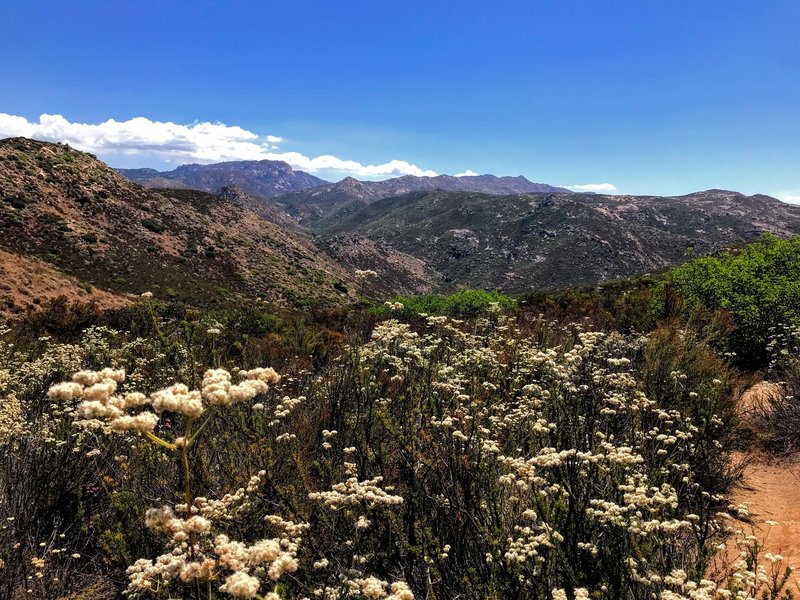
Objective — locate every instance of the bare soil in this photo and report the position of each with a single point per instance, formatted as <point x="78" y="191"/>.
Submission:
<point x="772" y="492"/>
<point x="771" y="487"/>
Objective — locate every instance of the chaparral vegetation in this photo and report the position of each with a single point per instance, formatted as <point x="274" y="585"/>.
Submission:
<point x="570" y="445"/>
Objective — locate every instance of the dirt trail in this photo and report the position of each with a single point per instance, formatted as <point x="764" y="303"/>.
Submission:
<point x="772" y="489"/>
<point x="773" y="494"/>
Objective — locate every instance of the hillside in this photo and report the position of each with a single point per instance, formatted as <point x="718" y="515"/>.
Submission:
<point x="262" y="178"/>
<point x="521" y="242"/>
<point x="262" y="207"/>
<point x="337" y="199"/>
<point x="26" y="283"/>
<point x="89" y="223"/>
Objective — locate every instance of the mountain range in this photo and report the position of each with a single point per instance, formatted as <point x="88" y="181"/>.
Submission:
<point x="270" y="178"/>
<point x="72" y="225"/>
<point x="520" y="242"/>
<point x="334" y="200"/>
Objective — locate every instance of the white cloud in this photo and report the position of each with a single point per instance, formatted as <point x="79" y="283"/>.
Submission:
<point x="790" y="196"/>
<point x="467" y="173"/>
<point x="599" y="188"/>
<point x="176" y="143"/>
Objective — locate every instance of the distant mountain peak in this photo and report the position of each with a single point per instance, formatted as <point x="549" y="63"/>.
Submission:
<point x="261" y="178"/>
<point x="271" y="178"/>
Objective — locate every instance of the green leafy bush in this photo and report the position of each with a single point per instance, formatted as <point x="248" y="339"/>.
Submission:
<point x="757" y="285"/>
<point x="153" y="225"/>
<point x="461" y="304"/>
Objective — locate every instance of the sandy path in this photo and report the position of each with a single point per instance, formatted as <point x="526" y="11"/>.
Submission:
<point x="771" y="489"/>
<point x="773" y="493"/>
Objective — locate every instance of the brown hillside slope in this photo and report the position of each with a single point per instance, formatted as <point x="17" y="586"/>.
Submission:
<point x="525" y="242"/>
<point x="74" y="212"/>
<point x="26" y="283"/>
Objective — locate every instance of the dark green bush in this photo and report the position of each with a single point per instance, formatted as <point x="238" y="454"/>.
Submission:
<point x="153" y="225"/>
<point x="17" y="202"/>
<point x="461" y="304"/>
<point x="757" y="285"/>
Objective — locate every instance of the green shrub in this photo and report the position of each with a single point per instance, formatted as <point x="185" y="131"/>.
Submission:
<point x="461" y="304"/>
<point x="757" y="285"/>
<point x="17" y="202"/>
<point x="624" y="305"/>
<point x="153" y="225"/>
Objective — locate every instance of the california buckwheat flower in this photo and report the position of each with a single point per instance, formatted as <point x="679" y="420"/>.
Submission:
<point x="506" y="455"/>
<point x="178" y="398"/>
<point x="372" y="587"/>
<point x="241" y="585"/>
<point x="267" y="375"/>
<point x="142" y="422"/>
<point x="400" y="591"/>
<point x="353" y="492"/>
<point x="65" y="391"/>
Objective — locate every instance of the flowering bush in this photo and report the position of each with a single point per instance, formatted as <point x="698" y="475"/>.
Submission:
<point x="485" y="459"/>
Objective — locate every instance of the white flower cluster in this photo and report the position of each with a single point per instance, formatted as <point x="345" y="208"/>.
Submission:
<point x="217" y="389"/>
<point x="97" y="391"/>
<point x="366" y="587"/>
<point x="197" y="553"/>
<point x="565" y="425"/>
<point x="354" y="492"/>
<point x="394" y="305"/>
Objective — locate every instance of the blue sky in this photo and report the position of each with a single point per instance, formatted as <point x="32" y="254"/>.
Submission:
<point x="661" y="97"/>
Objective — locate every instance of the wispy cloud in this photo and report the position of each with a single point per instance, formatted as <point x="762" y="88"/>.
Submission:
<point x="467" y="173"/>
<point x="599" y="188"/>
<point x="790" y="196"/>
<point x="198" y="142"/>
